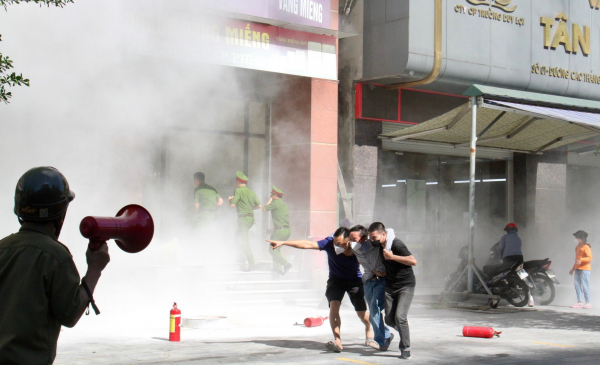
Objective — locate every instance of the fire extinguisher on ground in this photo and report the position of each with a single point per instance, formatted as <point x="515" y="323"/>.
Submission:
<point x="482" y="332"/>
<point x="175" y="327"/>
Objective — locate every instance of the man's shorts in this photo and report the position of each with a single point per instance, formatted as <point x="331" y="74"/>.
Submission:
<point x="355" y="289"/>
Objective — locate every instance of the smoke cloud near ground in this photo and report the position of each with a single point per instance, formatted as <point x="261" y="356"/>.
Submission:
<point x="121" y="114"/>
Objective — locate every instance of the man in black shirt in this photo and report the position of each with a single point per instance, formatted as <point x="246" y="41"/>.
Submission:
<point x="399" y="283"/>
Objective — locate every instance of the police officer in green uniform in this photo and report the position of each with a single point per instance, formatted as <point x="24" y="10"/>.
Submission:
<point x="40" y="289"/>
<point x="281" y="229"/>
<point x="245" y="201"/>
<point x="206" y="201"/>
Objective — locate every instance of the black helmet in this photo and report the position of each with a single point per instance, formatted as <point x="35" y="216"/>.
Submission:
<point x="42" y="194"/>
<point x="581" y="235"/>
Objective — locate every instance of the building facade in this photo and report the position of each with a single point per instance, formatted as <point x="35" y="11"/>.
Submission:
<point x="411" y="62"/>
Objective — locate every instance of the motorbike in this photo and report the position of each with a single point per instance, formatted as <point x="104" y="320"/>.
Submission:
<point x="542" y="276"/>
<point x="506" y="280"/>
<point x="543" y="279"/>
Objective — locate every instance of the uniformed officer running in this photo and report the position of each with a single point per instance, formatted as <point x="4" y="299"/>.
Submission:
<point x="281" y="229"/>
<point x="40" y="289"/>
<point x="206" y="201"/>
<point x="245" y="201"/>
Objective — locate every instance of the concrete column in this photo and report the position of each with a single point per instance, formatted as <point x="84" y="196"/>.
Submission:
<point x="304" y="153"/>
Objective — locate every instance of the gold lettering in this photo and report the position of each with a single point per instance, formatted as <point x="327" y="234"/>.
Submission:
<point x="256" y="39"/>
<point x="547" y="23"/>
<point x="581" y="40"/>
<point x="561" y="36"/>
<point x="247" y="38"/>
<point x="265" y="41"/>
<point x="231" y="36"/>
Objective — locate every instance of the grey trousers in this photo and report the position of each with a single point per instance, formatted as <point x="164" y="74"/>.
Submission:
<point x="397" y="304"/>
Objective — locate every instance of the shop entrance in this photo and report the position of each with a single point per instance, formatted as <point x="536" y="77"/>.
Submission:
<point x="226" y="136"/>
<point x="424" y="197"/>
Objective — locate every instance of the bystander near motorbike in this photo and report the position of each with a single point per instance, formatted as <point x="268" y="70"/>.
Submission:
<point x="507" y="280"/>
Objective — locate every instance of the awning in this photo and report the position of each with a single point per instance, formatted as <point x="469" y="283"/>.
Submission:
<point x="510" y="120"/>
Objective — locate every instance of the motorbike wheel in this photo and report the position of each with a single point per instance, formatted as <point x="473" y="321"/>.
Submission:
<point x="544" y="290"/>
<point x="523" y="297"/>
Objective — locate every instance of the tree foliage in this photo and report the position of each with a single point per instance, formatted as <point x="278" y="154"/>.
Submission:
<point x="12" y="79"/>
<point x="58" y="3"/>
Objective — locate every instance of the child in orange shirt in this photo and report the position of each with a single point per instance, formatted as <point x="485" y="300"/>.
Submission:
<point x="582" y="268"/>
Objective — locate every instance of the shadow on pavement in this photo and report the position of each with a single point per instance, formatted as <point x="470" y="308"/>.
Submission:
<point x="354" y="348"/>
<point x="543" y="319"/>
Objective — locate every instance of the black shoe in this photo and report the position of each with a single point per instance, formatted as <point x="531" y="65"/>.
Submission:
<point x="405" y="354"/>
<point x="387" y="343"/>
<point x="286" y="268"/>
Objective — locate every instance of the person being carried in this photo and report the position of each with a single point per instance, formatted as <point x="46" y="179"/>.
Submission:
<point x="280" y="214"/>
<point x="246" y="202"/>
<point x="399" y="283"/>
<point x="344" y="277"/>
<point x="40" y="290"/>
<point x="206" y="201"/>
<point x="371" y="259"/>
<point x="582" y="270"/>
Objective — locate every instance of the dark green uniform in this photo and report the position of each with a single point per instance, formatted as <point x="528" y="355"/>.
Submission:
<point x="280" y="214"/>
<point x="206" y="197"/>
<point x="39" y="292"/>
<point x="245" y="200"/>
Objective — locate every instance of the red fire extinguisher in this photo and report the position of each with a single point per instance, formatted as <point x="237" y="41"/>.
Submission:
<point x="483" y="332"/>
<point x="175" y="327"/>
<point x="314" y="321"/>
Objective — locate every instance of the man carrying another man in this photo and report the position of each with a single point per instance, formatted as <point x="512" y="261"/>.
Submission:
<point x="344" y="277"/>
<point x="399" y="283"/>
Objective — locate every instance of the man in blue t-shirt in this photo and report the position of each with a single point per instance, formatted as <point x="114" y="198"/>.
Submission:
<point x="344" y="277"/>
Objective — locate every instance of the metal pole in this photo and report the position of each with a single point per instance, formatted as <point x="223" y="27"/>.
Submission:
<point x="472" y="191"/>
<point x="510" y="190"/>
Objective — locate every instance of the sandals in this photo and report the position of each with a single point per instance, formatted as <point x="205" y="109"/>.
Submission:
<point x="332" y="346"/>
<point x="371" y="343"/>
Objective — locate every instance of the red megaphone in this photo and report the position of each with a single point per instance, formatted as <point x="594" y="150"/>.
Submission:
<point x="132" y="229"/>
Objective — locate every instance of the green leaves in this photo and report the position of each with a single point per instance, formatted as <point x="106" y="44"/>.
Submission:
<point x="6" y="64"/>
<point x="9" y="80"/>
<point x="57" y="3"/>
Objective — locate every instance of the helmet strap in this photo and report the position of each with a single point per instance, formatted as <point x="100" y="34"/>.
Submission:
<point x="58" y="223"/>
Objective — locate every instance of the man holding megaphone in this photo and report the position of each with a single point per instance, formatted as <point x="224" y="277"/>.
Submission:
<point x="40" y="290"/>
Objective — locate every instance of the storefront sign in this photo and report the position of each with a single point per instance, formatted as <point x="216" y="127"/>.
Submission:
<point x="547" y="46"/>
<point x="269" y="48"/>
<point x="314" y="13"/>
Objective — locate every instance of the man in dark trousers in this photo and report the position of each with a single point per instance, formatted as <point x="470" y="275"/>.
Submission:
<point x="344" y="277"/>
<point x="40" y="290"/>
<point x="399" y="283"/>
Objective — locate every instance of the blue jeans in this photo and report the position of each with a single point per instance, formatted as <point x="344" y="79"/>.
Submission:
<point x="582" y="285"/>
<point x="375" y="295"/>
